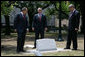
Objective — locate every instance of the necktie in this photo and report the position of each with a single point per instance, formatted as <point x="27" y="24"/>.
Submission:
<point x="40" y="18"/>
<point x="24" y="17"/>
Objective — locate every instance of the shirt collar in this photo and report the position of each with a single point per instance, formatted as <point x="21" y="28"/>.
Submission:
<point x="39" y="14"/>
<point x="22" y="13"/>
<point x="74" y="10"/>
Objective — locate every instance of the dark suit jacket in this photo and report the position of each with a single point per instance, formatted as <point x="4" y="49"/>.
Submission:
<point x="39" y="25"/>
<point x="74" y="20"/>
<point x="20" y="23"/>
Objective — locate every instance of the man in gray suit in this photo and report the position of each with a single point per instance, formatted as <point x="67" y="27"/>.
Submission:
<point x="73" y="27"/>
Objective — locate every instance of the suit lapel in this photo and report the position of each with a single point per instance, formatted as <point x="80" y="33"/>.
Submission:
<point x="21" y="16"/>
<point x="41" y="17"/>
<point x="37" y="17"/>
<point x="73" y="13"/>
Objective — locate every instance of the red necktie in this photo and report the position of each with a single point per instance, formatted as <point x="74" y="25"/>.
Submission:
<point x="24" y="17"/>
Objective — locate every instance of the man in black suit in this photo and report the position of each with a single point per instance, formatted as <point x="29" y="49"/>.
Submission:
<point x="73" y="27"/>
<point x="21" y="26"/>
<point x="39" y="25"/>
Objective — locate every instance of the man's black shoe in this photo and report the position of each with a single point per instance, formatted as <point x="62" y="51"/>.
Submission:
<point x="18" y="51"/>
<point x="66" y="48"/>
<point x="34" y="48"/>
<point x="23" y="50"/>
<point x="74" y="49"/>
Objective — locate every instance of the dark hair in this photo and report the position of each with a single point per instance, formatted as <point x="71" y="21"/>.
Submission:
<point x="24" y="8"/>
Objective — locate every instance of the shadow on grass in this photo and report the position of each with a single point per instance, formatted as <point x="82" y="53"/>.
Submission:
<point x="31" y="36"/>
<point x="8" y="49"/>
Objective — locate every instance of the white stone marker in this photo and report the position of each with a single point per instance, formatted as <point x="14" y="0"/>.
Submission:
<point x="37" y="53"/>
<point x="28" y="46"/>
<point x="46" y="45"/>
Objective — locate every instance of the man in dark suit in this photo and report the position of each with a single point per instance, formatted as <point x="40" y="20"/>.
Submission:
<point x="73" y="27"/>
<point x="21" y="26"/>
<point x="39" y="25"/>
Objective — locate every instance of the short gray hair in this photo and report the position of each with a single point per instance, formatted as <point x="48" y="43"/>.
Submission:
<point x="24" y="8"/>
<point x="71" y="5"/>
<point x="39" y="8"/>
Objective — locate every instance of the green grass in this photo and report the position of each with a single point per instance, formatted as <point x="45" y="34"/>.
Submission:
<point x="65" y="53"/>
<point x="8" y="45"/>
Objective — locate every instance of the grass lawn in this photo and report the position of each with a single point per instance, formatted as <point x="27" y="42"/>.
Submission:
<point x="9" y="43"/>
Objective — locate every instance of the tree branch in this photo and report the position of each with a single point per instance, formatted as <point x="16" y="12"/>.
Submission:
<point x="58" y="9"/>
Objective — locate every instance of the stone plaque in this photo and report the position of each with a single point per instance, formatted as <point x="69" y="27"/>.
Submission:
<point x="46" y="45"/>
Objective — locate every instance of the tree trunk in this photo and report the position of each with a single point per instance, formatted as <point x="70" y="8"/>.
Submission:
<point x="7" y="26"/>
<point x="30" y="21"/>
<point x="82" y="19"/>
<point x="31" y="13"/>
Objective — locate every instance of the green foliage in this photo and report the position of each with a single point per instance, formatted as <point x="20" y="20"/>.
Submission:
<point x="49" y="12"/>
<point x="6" y="8"/>
<point x="64" y="7"/>
<point x="33" y="5"/>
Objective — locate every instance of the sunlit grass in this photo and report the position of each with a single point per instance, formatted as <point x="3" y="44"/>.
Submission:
<point x="9" y="43"/>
